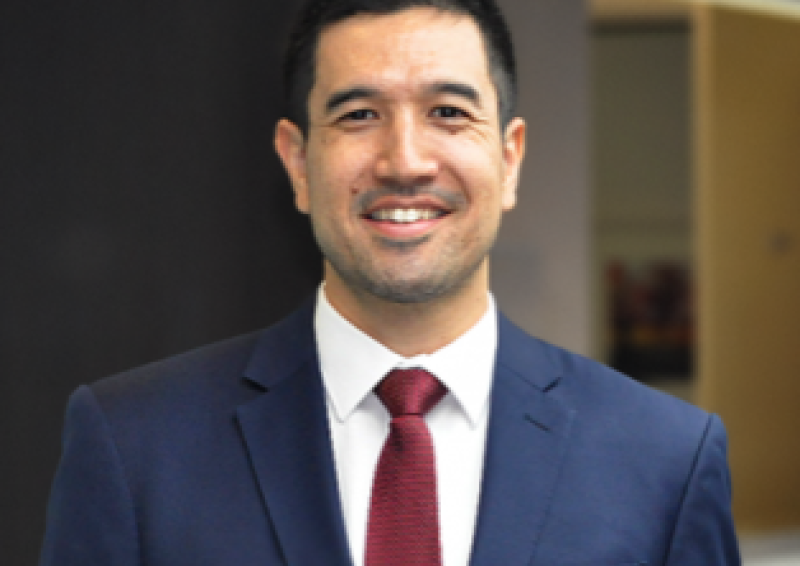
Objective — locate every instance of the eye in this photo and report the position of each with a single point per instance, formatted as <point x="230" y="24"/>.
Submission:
<point x="448" y="112"/>
<point x="359" y="115"/>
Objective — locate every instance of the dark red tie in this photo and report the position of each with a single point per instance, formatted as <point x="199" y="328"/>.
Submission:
<point x="403" y="527"/>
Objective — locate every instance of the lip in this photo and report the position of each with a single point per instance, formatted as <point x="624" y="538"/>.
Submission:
<point x="422" y="202"/>
<point x="405" y="231"/>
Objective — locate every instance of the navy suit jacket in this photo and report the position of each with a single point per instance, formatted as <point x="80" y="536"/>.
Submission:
<point x="222" y="457"/>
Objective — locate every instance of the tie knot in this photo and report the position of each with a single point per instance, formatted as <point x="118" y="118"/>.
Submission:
<point x="410" y="391"/>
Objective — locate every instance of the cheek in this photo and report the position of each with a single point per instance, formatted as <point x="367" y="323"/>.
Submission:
<point x="478" y="168"/>
<point x="334" y="183"/>
<point x="342" y="174"/>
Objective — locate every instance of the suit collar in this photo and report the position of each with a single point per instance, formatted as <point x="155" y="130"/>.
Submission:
<point x="288" y="440"/>
<point x="530" y="359"/>
<point x="283" y="348"/>
<point x="528" y="436"/>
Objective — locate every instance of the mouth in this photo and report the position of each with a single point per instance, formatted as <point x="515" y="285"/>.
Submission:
<point x="397" y="221"/>
<point x="405" y="215"/>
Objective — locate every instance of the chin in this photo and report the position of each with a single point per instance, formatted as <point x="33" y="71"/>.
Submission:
<point x="415" y="291"/>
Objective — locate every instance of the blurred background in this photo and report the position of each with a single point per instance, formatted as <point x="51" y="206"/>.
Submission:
<point x="143" y="212"/>
<point x="696" y="229"/>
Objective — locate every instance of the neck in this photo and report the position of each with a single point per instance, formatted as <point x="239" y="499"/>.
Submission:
<point x="411" y="329"/>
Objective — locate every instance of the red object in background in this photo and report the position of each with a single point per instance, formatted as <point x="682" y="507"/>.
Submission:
<point x="651" y="320"/>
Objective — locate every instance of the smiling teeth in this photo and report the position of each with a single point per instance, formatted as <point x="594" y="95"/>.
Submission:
<point x="405" y="215"/>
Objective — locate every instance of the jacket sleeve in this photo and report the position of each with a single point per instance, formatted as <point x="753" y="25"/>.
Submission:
<point x="90" y="515"/>
<point x="704" y="533"/>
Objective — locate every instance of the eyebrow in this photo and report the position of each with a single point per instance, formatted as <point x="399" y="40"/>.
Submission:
<point x="462" y="90"/>
<point x="341" y="97"/>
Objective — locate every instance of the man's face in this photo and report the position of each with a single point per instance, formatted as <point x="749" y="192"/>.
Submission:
<point x="405" y="172"/>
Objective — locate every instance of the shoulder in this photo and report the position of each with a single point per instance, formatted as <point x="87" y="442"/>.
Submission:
<point x="207" y="368"/>
<point x="609" y="402"/>
<point x="215" y="377"/>
<point x="640" y="469"/>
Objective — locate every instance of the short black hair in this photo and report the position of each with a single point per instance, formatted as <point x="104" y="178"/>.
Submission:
<point x="317" y="15"/>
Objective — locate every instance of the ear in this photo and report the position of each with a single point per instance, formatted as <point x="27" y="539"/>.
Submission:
<point x="291" y="147"/>
<point x="513" y="155"/>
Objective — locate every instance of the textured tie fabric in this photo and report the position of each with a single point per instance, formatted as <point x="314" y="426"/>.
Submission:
<point x="403" y="527"/>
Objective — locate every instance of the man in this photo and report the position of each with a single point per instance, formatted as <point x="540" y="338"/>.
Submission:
<point x="288" y="446"/>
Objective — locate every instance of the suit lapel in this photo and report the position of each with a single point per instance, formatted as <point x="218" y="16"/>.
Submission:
<point x="287" y="436"/>
<point x="527" y="439"/>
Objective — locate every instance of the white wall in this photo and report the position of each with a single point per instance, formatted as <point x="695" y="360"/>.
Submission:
<point x="541" y="263"/>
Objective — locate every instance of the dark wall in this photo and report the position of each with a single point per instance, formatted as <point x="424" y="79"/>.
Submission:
<point x="142" y="209"/>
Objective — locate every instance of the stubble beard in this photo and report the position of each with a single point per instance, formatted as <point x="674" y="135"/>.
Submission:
<point x="401" y="281"/>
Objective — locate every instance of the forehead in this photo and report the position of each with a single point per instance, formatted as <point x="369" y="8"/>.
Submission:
<point x="402" y="51"/>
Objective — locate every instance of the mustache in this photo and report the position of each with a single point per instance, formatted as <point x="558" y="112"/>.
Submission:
<point x="452" y="200"/>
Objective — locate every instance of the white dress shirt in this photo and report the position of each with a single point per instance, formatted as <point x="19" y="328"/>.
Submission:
<point x="352" y="365"/>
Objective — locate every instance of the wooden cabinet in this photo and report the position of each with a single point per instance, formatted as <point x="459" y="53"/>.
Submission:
<point x="747" y="225"/>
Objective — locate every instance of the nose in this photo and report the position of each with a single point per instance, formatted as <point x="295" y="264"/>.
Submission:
<point x="405" y="157"/>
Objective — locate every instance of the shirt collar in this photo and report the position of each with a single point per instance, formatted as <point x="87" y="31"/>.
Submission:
<point x="353" y="363"/>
